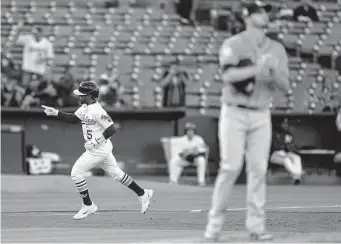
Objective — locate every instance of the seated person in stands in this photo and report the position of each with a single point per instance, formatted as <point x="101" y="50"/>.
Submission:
<point x="174" y="86"/>
<point x="283" y="152"/>
<point x="305" y="12"/>
<point x="111" y="90"/>
<point x="65" y="86"/>
<point x="193" y="153"/>
<point x="40" y="92"/>
<point x="11" y="93"/>
<point x="337" y="156"/>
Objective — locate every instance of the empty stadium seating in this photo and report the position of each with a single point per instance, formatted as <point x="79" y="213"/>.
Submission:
<point x="141" y="42"/>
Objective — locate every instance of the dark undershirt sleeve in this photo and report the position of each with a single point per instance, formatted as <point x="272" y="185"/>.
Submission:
<point x="68" y="117"/>
<point x="110" y="131"/>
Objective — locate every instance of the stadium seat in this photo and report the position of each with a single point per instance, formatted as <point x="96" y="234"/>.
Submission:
<point x="93" y="34"/>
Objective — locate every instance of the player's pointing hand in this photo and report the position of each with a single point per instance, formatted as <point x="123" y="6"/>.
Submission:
<point x="49" y="111"/>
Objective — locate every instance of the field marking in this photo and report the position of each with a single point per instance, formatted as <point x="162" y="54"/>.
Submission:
<point x="274" y="208"/>
<point x="70" y="213"/>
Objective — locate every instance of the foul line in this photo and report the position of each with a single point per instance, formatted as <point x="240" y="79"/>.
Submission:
<point x="273" y="208"/>
<point x="70" y="213"/>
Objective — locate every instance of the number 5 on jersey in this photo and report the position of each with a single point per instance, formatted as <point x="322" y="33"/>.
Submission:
<point x="89" y="134"/>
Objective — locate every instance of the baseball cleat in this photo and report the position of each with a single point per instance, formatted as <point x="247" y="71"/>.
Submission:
<point x="145" y="200"/>
<point x="173" y="183"/>
<point x="261" y="237"/>
<point x="297" y="182"/>
<point x="211" y="238"/>
<point x="85" y="211"/>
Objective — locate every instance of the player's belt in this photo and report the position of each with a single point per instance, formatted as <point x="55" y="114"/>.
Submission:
<point x="243" y="106"/>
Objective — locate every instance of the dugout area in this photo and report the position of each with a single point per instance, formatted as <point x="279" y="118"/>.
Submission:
<point x="40" y="209"/>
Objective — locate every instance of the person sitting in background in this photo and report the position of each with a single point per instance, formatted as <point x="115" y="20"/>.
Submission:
<point x="174" y="87"/>
<point x="284" y="152"/>
<point x="110" y="89"/>
<point x="305" y="12"/>
<point x="11" y="93"/>
<point x="332" y="104"/>
<point x="40" y="92"/>
<point x="187" y="9"/>
<point x="9" y="68"/>
<point x="193" y="152"/>
<point x="40" y="162"/>
<point x="337" y="156"/>
<point x="65" y="87"/>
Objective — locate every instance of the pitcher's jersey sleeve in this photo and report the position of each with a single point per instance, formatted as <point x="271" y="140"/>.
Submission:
<point x="283" y="58"/>
<point x="103" y="119"/>
<point x="49" y="49"/>
<point x="229" y="52"/>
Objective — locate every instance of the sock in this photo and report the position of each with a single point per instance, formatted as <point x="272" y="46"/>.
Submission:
<point x="82" y="187"/>
<point x="136" y="188"/>
<point x="128" y="182"/>
<point x="86" y="198"/>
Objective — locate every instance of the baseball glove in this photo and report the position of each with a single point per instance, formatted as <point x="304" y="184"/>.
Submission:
<point x="244" y="86"/>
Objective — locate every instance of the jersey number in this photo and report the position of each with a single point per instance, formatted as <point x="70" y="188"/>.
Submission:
<point x="88" y="134"/>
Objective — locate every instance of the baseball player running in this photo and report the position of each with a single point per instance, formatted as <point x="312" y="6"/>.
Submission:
<point x="97" y="129"/>
<point x="252" y="66"/>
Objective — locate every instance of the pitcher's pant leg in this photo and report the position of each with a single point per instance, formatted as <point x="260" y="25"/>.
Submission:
<point x="232" y="143"/>
<point x="257" y="155"/>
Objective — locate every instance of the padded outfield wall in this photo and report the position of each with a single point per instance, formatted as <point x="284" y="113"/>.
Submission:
<point x="137" y="140"/>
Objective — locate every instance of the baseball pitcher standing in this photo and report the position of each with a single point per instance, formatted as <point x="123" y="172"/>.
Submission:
<point x="252" y="67"/>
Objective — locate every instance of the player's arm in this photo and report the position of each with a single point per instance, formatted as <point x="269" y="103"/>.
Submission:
<point x="104" y="120"/>
<point x="280" y="72"/>
<point x="229" y="60"/>
<point x="67" y="117"/>
<point x="21" y="38"/>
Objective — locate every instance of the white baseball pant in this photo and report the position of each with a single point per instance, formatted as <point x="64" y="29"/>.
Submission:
<point x="291" y="162"/>
<point x="101" y="156"/>
<point x="242" y="132"/>
<point x="177" y="165"/>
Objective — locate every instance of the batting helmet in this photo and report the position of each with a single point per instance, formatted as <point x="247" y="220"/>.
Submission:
<point x="87" y="88"/>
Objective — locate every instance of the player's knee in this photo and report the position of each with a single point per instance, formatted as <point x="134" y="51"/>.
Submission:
<point x="175" y="161"/>
<point x="257" y="168"/>
<point x="116" y="173"/>
<point x="337" y="158"/>
<point x="76" y="174"/>
<point x="225" y="166"/>
<point x="261" y="169"/>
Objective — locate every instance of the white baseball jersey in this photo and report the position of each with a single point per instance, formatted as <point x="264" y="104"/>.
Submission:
<point x="196" y="142"/>
<point x="95" y="120"/>
<point x="35" y="53"/>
